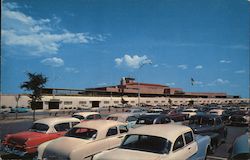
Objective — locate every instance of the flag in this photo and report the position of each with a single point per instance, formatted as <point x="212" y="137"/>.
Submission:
<point x="192" y="81"/>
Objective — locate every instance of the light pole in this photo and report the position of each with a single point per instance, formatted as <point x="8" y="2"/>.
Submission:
<point x="147" y="61"/>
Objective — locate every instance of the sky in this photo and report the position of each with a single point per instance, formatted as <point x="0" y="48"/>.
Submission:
<point x="91" y="43"/>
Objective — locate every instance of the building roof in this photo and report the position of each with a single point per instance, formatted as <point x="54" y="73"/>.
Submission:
<point x="145" y="84"/>
<point x="167" y="131"/>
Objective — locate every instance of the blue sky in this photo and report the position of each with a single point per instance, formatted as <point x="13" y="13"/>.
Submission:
<point x="83" y="43"/>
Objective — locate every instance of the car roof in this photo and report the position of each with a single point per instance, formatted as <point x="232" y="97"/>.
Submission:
<point x="56" y="120"/>
<point x="167" y="131"/>
<point x="191" y="109"/>
<point x="99" y="124"/>
<point x="85" y="114"/>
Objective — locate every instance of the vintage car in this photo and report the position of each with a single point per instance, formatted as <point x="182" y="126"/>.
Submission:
<point x="136" y="111"/>
<point x="159" y="142"/>
<point x="217" y="112"/>
<point x="153" y="119"/>
<point x="176" y="115"/>
<point x="84" y="140"/>
<point x="20" y="109"/>
<point x="155" y="110"/>
<point x="241" y="148"/>
<point x="4" y="109"/>
<point x="24" y="143"/>
<point x="87" y="115"/>
<point x="189" y="112"/>
<point x="128" y="118"/>
<point x="210" y="125"/>
<point x="240" y="118"/>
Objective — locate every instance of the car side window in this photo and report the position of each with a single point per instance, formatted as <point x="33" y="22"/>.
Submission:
<point x="179" y="143"/>
<point x="112" y="131"/>
<point x="98" y="116"/>
<point x="131" y="118"/>
<point x="74" y="123"/>
<point x="123" y="129"/>
<point x="62" y="127"/>
<point x="188" y="137"/>
<point x="90" y="117"/>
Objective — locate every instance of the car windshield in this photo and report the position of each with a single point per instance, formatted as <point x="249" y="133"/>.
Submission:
<point x="78" y="117"/>
<point x="39" y="127"/>
<point x="112" y="118"/>
<point x="201" y="121"/>
<point x="146" y="143"/>
<point x="83" y="133"/>
<point x="188" y="111"/>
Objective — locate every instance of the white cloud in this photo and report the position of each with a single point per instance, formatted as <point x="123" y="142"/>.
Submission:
<point x="37" y="36"/>
<point x="155" y="65"/>
<point x="170" y="84"/>
<point x="102" y="84"/>
<point x="71" y="70"/>
<point x="240" y="71"/>
<point x="225" y="61"/>
<point x="199" y="67"/>
<point x="182" y="66"/>
<point x="53" y="62"/>
<point x="218" y="81"/>
<point x="134" y="61"/>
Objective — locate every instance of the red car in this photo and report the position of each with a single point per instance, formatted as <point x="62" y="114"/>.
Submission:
<point x="25" y="143"/>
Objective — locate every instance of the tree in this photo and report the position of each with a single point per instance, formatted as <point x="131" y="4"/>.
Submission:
<point x="35" y="84"/>
<point x="170" y="102"/>
<point x="17" y="97"/>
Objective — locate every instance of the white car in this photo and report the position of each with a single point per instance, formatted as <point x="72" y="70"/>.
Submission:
<point x="84" y="140"/>
<point x="128" y="118"/>
<point x="159" y="142"/>
<point x="136" y="111"/>
<point x="217" y="112"/>
<point x="4" y="109"/>
<point x="87" y="115"/>
<point x="190" y="112"/>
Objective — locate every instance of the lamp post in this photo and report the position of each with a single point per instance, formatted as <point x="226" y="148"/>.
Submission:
<point x="147" y="61"/>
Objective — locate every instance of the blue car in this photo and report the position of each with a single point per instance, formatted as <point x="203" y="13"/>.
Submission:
<point x="20" y="110"/>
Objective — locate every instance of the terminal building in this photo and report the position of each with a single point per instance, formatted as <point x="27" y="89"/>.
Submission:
<point x="128" y="91"/>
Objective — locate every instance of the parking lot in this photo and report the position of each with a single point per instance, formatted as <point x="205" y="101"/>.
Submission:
<point x="24" y="121"/>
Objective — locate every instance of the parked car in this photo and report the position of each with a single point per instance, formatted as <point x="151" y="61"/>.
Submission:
<point x="4" y="109"/>
<point x="84" y="140"/>
<point x="136" y="111"/>
<point x="210" y="125"/>
<point x="20" y="109"/>
<point x="240" y="118"/>
<point x="217" y="112"/>
<point x="87" y="115"/>
<point x="128" y="118"/>
<point x="241" y="148"/>
<point x="43" y="130"/>
<point x="176" y="115"/>
<point x="190" y="112"/>
<point x="153" y="119"/>
<point x="155" y="110"/>
<point x="159" y="142"/>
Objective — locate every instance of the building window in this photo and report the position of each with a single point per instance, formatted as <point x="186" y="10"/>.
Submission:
<point x="155" y="101"/>
<point x="116" y="102"/>
<point x="147" y="101"/>
<point x="106" y="102"/>
<point x="67" y="102"/>
<point x="132" y="101"/>
<point x="163" y="101"/>
<point x="82" y="102"/>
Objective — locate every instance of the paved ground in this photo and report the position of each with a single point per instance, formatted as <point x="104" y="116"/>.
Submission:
<point x="12" y="125"/>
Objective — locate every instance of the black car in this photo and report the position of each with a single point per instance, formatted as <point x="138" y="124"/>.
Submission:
<point x="210" y="125"/>
<point x="153" y="119"/>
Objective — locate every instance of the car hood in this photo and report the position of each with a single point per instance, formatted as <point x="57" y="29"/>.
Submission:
<point x="21" y="137"/>
<point x="63" y="146"/>
<point x="126" y="154"/>
<point x="200" y="128"/>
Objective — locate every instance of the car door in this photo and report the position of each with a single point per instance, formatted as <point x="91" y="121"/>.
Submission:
<point x="190" y="143"/>
<point x="179" y="150"/>
<point x="114" y="137"/>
